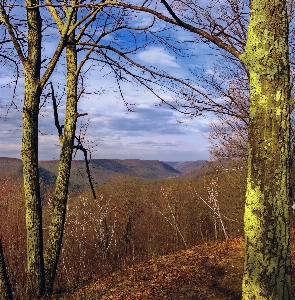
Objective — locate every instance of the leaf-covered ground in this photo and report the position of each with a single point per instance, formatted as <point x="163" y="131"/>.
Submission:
<point x="209" y="271"/>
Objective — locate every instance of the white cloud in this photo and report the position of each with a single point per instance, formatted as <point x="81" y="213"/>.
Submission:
<point x="158" y="56"/>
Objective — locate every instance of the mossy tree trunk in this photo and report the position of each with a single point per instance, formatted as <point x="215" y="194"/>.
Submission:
<point x="35" y="267"/>
<point x="267" y="271"/>
<point x="56" y="229"/>
<point x="34" y="84"/>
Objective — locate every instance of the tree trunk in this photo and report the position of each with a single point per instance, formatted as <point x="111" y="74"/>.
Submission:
<point x="32" y="191"/>
<point x="267" y="270"/>
<point x="56" y="229"/>
<point x="35" y="270"/>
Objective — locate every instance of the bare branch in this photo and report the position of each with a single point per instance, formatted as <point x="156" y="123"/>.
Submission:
<point x="215" y="40"/>
<point x="5" y="19"/>
<point x="55" y="15"/>
<point x="55" y="112"/>
<point x="59" y="49"/>
<point x="80" y="147"/>
<point x="145" y="68"/>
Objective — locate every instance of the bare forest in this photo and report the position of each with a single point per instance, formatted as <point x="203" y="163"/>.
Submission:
<point x="68" y="223"/>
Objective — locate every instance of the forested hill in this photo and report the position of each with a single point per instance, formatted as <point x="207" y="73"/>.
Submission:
<point x="102" y="170"/>
<point x="10" y="167"/>
<point x="185" y="167"/>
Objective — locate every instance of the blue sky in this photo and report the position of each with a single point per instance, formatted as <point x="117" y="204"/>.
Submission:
<point x="150" y="131"/>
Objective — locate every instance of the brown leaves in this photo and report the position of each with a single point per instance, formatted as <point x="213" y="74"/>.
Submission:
<point x="212" y="271"/>
<point x="209" y="271"/>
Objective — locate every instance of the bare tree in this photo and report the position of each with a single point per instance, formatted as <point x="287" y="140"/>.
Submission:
<point x="84" y="34"/>
<point x="28" y="48"/>
<point x="229" y="130"/>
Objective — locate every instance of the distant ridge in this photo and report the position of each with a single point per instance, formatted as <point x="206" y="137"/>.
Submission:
<point x="10" y="167"/>
<point x="149" y="169"/>
<point x="185" y="167"/>
<point x="103" y="170"/>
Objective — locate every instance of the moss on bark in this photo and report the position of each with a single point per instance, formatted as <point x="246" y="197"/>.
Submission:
<point x="267" y="272"/>
<point x="61" y="190"/>
<point x="35" y="272"/>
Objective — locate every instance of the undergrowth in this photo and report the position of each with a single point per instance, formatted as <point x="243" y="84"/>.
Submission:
<point x="131" y="221"/>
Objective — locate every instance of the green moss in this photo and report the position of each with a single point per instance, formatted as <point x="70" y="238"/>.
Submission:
<point x="267" y="255"/>
<point x="254" y="210"/>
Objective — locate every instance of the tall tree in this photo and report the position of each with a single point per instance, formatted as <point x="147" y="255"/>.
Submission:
<point x="32" y="66"/>
<point x="67" y="138"/>
<point x="267" y="271"/>
<point x="34" y="83"/>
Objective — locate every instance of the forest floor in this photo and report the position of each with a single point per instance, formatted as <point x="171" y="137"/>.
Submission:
<point x="208" y="271"/>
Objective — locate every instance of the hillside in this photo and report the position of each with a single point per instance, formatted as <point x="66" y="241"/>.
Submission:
<point x="149" y="169"/>
<point x="208" y="271"/>
<point x="10" y="167"/>
<point x="102" y="170"/>
<point x="185" y="167"/>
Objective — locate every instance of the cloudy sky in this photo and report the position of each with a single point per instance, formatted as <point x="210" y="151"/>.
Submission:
<point x="150" y="131"/>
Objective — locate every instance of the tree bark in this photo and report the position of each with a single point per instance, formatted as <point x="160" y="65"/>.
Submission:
<point x="35" y="267"/>
<point x="56" y="229"/>
<point x="267" y="270"/>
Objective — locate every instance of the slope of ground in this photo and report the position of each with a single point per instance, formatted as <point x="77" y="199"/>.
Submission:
<point x="210" y="271"/>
